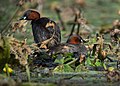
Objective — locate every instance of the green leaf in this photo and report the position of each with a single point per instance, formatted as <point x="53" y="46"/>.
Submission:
<point x="111" y="68"/>
<point x="88" y="61"/>
<point x="60" y="60"/>
<point x="97" y="63"/>
<point x="80" y="68"/>
<point x="67" y="68"/>
<point x="63" y="68"/>
<point x="68" y="55"/>
<point x="68" y="59"/>
<point x="59" y="68"/>
<point x="4" y="51"/>
<point x="103" y="64"/>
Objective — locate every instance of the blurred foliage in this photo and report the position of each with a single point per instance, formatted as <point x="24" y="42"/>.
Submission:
<point x="97" y="12"/>
<point x="4" y="51"/>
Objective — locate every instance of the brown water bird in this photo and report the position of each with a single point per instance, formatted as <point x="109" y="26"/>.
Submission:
<point x="45" y="31"/>
<point x="74" y="45"/>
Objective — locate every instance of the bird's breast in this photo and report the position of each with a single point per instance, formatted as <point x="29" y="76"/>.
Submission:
<point x="39" y="32"/>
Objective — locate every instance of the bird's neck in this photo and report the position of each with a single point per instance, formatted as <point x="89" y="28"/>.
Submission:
<point x="41" y="21"/>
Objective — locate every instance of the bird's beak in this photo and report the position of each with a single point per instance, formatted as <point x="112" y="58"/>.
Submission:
<point x="23" y="18"/>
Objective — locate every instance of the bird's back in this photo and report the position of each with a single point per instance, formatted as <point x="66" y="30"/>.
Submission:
<point x="44" y="29"/>
<point x="69" y="48"/>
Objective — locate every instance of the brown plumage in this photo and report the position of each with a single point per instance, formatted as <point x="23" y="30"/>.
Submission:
<point x="43" y="29"/>
<point x="73" y="45"/>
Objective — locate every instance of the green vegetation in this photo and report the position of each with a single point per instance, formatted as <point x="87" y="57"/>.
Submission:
<point x="23" y="63"/>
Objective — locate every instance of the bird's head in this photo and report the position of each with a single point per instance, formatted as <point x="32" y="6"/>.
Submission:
<point x="30" y="15"/>
<point x="74" y="39"/>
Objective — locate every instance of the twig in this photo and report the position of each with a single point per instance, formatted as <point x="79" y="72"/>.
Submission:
<point x="5" y="29"/>
<point x="60" y="19"/>
<point x="72" y="61"/>
<point x="75" y="20"/>
<point x="19" y="5"/>
<point x="46" y="41"/>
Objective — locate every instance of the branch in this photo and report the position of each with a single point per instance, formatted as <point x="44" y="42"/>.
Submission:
<point x="44" y="43"/>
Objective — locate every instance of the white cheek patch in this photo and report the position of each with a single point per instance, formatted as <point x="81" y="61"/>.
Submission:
<point x="24" y="17"/>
